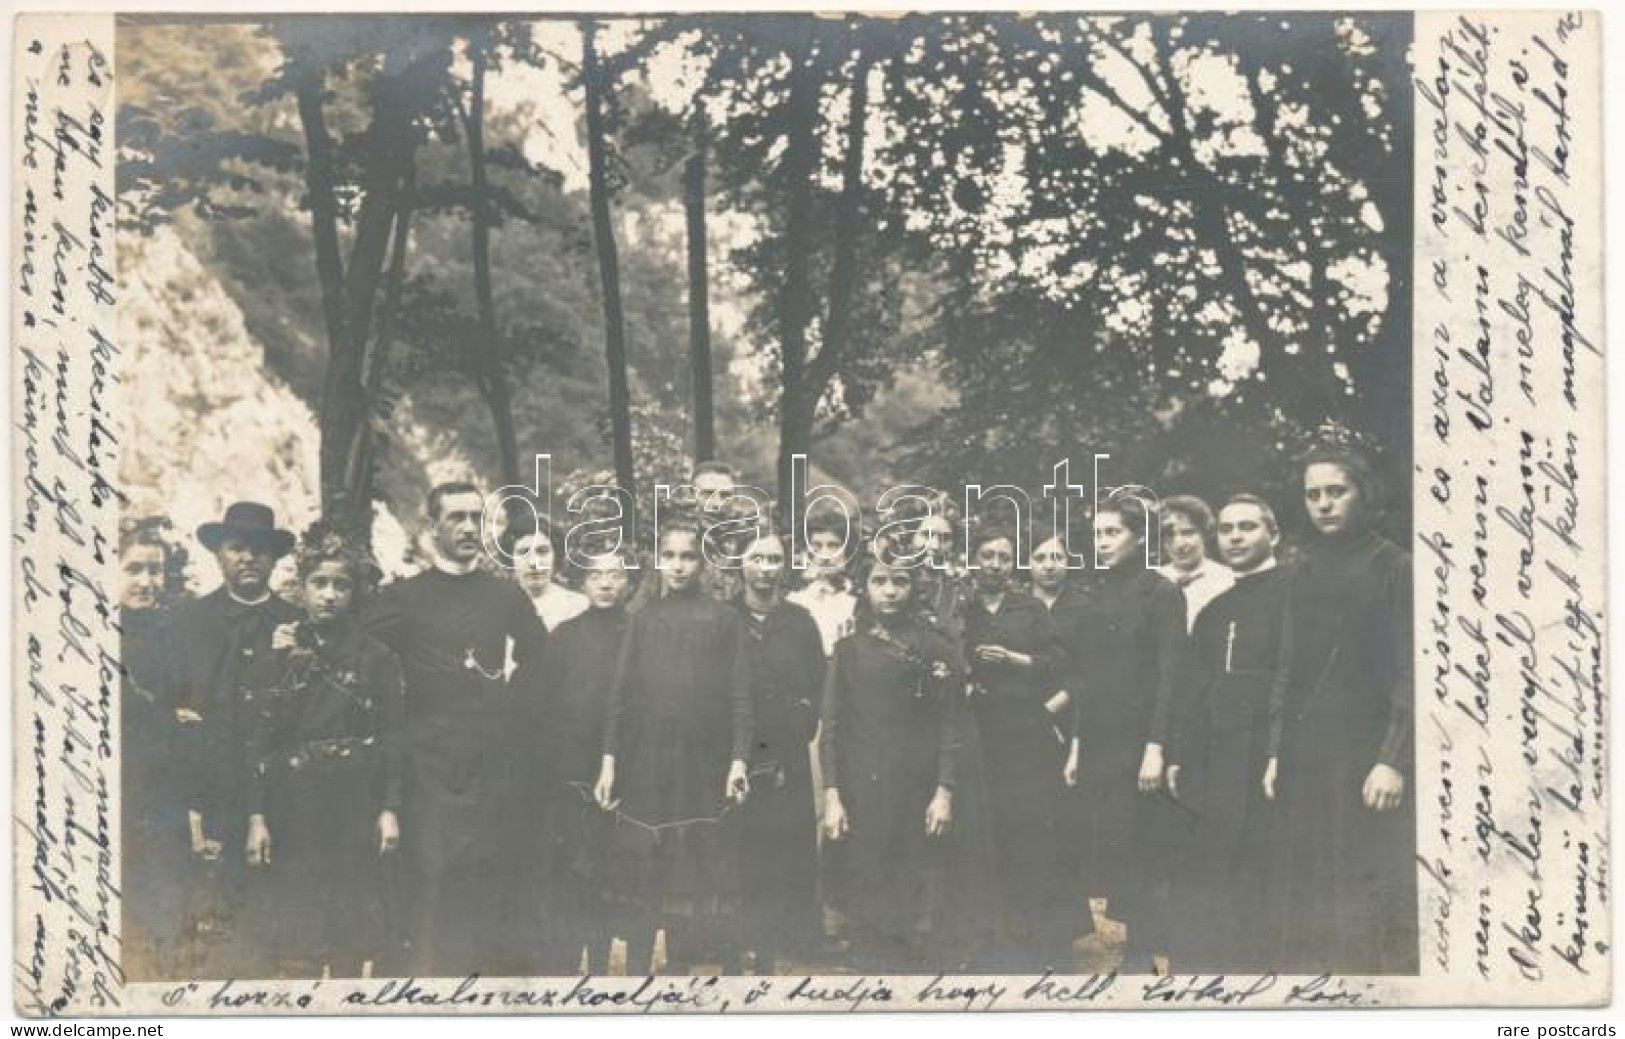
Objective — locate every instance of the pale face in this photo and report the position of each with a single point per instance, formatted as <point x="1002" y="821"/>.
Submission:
<point x="1245" y="538"/>
<point x="763" y="565"/>
<point x="889" y="588"/>
<point x="533" y="563"/>
<point x="1049" y="565"/>
<point x="826" y="556"/>
<point x="605" y="583"/>
<point x="713" y="490"/>
<point x="995" y="561"/>
<point x="679" y="560"/>
<point x="1115" y="542"/>
<point x="141" y="577"/>
<point x="1182" y="540"/>
<point x="329" y="591"/>
<point x="457" y="528"/>
<point x="934" y="537"/>
<point x="245" y="565"/>
<point x="1333" y="500"/>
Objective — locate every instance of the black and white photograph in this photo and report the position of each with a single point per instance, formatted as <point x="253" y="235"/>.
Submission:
<point x="840" y="499"/>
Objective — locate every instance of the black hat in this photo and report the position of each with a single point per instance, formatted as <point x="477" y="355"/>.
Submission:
<point x="251" y="520"/>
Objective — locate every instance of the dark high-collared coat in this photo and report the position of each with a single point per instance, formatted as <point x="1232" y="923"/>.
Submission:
<point x="1133" y="644"/>
<point x="1023" y="751"/>
<point x="1221" y="748"/>
<point x="680" y="711"/>
<point x="1343" y="704"/>
<point x="892" y="731"/>
<point x="454" y="634"/>
<point x="324" y="763"/>
<point x="778" y="848"/>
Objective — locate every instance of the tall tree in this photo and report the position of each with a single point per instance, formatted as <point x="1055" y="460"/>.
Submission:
<point x="834" y="342"/>
<point x="386" y="154"/>
<point x="795" y="298"/>
<point x="594" y="81"/>
<point x="699" y="290"/>
<point x="361" y="458"/>
<point x="490" y="355"/>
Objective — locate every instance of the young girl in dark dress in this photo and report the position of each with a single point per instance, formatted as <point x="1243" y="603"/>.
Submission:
<point x="1062" y="592"/>
<point x="580" y="664"/>
<point x="324" y="781"/>
<point x="889" y="747"/>
<point x="778" y="852"/>
<point x="1341" y="722"/>
<point x="677" y="740"/>
<point x="1133" y="644"/>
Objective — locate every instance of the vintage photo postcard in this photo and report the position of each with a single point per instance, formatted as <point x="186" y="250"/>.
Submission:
<point x="733" y="512"/>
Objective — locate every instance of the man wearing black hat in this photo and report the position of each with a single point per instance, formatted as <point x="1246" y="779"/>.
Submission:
<point x="454" y="627"/>
<point x="225" y="639"/>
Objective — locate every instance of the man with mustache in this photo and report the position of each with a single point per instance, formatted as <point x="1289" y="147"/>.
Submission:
<point x="225" y="641"/>
<point x="453" y="627"/>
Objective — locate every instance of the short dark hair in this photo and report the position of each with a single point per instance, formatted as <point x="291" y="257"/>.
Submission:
<point x="1192" y="508"/>
<point x="712" y="465"/>
<point x="1249" y="498"/>
<point x="1355" y="465"/>
<point x="1130" y="508"/>
<point x="982" y="533"/>
<point x="680" y="523"/>
<point x="884" y="553"/>
<point x="525" y="523"/>
<point x="441" y="491"/>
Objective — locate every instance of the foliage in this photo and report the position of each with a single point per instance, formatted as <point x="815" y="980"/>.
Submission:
<point x="1179" y="239"/>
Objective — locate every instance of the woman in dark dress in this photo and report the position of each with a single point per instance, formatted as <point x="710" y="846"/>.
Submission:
<point x="889" y="745"/>
<point x="154" y="746"/>
<point x="1015" y="661"/>
<point x="1062" y="592"/>
<point x="1133" y="640"/>
<point x="580" y="664"/>
<point x="677" y="740"/>
<point x="325" y="774"/>
<point x="778" y="849"/>
<point x="1341" y="724"/>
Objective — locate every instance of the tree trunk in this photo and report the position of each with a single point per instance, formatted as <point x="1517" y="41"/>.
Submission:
<point x="358" y="477"/>
<point x="848" y="225"/>
<point x="795" y="298"/>
<point x="620" y="396"/>
<point x="489" y="352"/>
<point x="699" y="293"/>
<point x="336" y="421"/>
<point x="348" y="293"/>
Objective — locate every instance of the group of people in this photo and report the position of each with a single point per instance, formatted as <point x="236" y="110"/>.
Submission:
<point x="883" y="754"/>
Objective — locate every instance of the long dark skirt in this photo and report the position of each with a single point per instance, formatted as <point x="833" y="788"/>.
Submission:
<point x="325" y="883"/>
<point x="157" y="884"/>
<point x="1131" y="839"/>
<point x="1223" y="879"/>
<point x="576" y="912"/>
<point x="910" y="902"/>
<point x="778" y="914"/>
<point x="1023" y="757"/>
<point x="1348" y="891"/>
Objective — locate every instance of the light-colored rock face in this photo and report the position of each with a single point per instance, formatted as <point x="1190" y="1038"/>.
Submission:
<point x="205" y="422"/>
